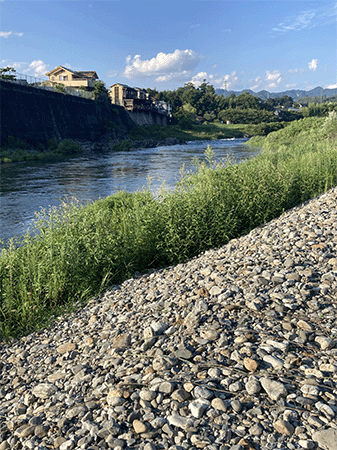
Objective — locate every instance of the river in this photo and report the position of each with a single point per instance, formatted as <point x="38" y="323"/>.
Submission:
<point x="27" y="187"/>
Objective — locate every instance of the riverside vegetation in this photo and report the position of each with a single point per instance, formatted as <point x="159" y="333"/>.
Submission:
<point x="74" y="252"/>
<point x="20" y="150"/>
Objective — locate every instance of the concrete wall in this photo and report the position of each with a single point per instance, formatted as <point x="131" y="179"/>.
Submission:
<point x="37" y="115"/>
<point x="142" y="118"/>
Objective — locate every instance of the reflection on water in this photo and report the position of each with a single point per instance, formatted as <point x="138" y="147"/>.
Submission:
<point x="28" y="187"/>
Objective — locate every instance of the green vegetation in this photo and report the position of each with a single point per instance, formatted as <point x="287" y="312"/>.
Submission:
<point x="190" y="103"/>
<point x="205" y="131"/>
<point x="4" y="75"/>
<point x="20" y="150"/>
<point x="75" y="252"/>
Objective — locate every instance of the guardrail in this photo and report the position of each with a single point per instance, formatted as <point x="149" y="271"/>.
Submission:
<point x="27" y="80"/>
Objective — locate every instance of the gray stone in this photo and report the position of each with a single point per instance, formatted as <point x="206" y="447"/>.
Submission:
<point x="326" y="439"/>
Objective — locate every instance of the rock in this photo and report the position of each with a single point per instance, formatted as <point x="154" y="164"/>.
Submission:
<point x="198" y="407"/>
<point x="326" y="439"/>
<point x="123" y="341"/>
<point x="139" y="426"/>
<point x="66" y="348"/>
<point x="250" y="364"/>
<point x="44" y="390"/>
<point x="324" y="342"/>
<point x="284" y="427"/>
<point x="274" y="389"/>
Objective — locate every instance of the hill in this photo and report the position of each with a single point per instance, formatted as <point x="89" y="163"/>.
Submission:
<point x="293" y="93"/>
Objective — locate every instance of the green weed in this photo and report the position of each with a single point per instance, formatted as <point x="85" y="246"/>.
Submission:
<point x="75" y="252"/>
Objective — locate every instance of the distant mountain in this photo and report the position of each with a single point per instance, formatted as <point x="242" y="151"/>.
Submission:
<point x="293" y="93"/>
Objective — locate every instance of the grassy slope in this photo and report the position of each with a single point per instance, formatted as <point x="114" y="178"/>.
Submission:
<point x="80" y="251"/>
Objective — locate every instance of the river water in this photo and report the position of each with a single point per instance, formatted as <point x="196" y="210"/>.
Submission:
<point x="27" y="187"/>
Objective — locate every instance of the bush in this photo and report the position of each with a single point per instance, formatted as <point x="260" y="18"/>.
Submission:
<point x="52" y="144"/>
<point x="68" y="147"/>
<point x="122" y="146"/>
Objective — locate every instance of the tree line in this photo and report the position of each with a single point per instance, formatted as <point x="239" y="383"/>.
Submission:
<point x="192" y="104"/>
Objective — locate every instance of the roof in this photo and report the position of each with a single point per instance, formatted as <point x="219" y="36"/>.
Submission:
<point x="82" y="73"/>
<point x="123" y="85"/>
<point x="87" y="73"/>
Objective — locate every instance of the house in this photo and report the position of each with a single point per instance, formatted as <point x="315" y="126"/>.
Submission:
<point x="120" y="92"/>
<point x="71" y="78"/>
<point x="136" y="99"/>
<point x="131" y="98"/>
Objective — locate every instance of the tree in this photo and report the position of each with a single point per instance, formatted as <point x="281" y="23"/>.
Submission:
<point x="100" y="91"/>
<point x="5" y="76"/>
<point x="60" y="88"/>
<point x="248" y="101"/>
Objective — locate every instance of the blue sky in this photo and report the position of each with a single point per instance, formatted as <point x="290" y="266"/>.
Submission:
<point x="272" y="45"/>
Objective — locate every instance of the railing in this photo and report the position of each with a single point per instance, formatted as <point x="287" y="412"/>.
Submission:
<point x="27" y="80"/>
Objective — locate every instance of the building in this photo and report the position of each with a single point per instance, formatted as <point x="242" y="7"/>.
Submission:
<point x="71" y="78"/>
<point x="136" y="99"/>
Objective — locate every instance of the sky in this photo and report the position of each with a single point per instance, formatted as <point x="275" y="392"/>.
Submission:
<point x="232" y="44"/>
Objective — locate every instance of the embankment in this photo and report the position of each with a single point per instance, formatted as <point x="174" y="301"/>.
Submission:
<point x="36" y="115"/>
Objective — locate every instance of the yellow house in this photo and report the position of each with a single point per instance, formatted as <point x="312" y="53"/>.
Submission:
<point x="120" y="92"/>
<point x="68" y="77"/>
<point x="131" y="98"/>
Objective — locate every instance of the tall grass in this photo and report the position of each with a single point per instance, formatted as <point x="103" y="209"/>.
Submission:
<point x="74" y="252"/>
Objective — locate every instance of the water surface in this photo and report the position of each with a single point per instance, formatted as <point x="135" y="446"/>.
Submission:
<point x="27" y="187"/>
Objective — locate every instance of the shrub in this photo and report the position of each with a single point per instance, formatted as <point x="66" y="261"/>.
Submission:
<point x="52" y="144"/>
<point x="68" y="147"/>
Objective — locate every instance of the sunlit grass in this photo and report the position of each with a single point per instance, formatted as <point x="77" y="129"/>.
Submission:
<point x="74" y="252"/>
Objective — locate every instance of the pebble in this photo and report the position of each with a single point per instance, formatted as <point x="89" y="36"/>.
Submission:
<point x="234" y="349"/>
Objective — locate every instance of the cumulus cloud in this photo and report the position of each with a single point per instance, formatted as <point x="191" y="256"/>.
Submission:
<point x="165" y="66"/>
<point x="218" y="81"/>
<point x="273" y="79"/>
<point x="331" y="86"/>
<point x="6" y="34"/>
<point x="38" y="67"/>
<point x="313" y="64"/>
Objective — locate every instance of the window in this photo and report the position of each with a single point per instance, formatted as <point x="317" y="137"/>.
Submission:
<point x="63" y="77"/>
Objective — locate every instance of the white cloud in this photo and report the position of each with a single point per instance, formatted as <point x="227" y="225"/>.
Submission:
<point x="292" y="85"/>
<point x="165" y="66"/>
<point x="38" y="67"/>
<point x="273" y="79"/>
<point x="313" y="64"/>
<point x="295" y="70"/>
<point x="6" y="34"/>
<point x="112" y="73"/>
<point x="256" y="83"/>
<point x="298" y="23"/>
<point x="331" y="86"/>
<point x="322" y="15"/>
<point x="218" y="81"/>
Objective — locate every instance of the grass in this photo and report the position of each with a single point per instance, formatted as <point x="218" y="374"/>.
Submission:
<point x="75" y="252"/>
<point x="19" y="150"/>
<point x="207" y="131"/>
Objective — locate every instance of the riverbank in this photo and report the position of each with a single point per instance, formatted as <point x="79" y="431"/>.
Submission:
<point x="138" y="137"/>
<point x="236" y="348"/>
<point x="73" y="253"/>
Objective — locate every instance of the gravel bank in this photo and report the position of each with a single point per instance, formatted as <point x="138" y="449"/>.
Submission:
<point x="234" y="350"/>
